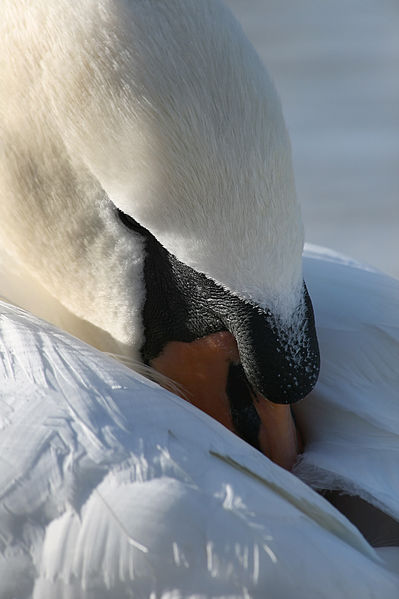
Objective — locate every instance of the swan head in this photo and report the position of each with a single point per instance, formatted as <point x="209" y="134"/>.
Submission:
<point x="152" y="194"/>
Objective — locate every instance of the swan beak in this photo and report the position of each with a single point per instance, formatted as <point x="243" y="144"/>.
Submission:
<point x="209" y="375"/>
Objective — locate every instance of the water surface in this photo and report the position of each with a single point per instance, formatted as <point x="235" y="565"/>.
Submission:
<point x="336" y="66"/>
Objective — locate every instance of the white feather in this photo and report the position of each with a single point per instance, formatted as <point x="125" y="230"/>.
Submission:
<point x="109" y="485"/>
<point x="351" y="420"/>
<point x="113" y="487"/>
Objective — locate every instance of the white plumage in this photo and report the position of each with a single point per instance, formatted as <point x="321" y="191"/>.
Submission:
<point x="111" y="487"/>
<point x="351" y="420"/>
<point x="100" y="497"/>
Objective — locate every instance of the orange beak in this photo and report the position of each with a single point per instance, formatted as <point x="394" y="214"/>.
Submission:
<point x="201" y="370"/>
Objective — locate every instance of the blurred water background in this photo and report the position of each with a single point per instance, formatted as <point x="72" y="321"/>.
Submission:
<point x="336" y="67"/>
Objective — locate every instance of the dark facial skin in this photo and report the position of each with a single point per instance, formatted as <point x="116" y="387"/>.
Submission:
<point x="227" y="355"/>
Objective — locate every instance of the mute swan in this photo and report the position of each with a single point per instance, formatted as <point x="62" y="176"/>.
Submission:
<point x="143" y="152"/>
<point x="139" y="140"/>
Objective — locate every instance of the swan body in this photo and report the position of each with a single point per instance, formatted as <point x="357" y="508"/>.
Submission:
<point x="140" y="139"/>
<point x="101" y="498"/>
<point x="353" y="414"/>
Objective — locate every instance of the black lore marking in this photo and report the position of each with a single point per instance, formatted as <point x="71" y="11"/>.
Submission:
<point x="245" y="418"/>
<point x="177" y="305"/>
<point x="181" y="304"/>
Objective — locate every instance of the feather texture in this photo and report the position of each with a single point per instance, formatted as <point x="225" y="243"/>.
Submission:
<point x="113" y="487"/>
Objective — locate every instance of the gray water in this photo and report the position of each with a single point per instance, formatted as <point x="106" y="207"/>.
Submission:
<point x="336" y="66"/>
